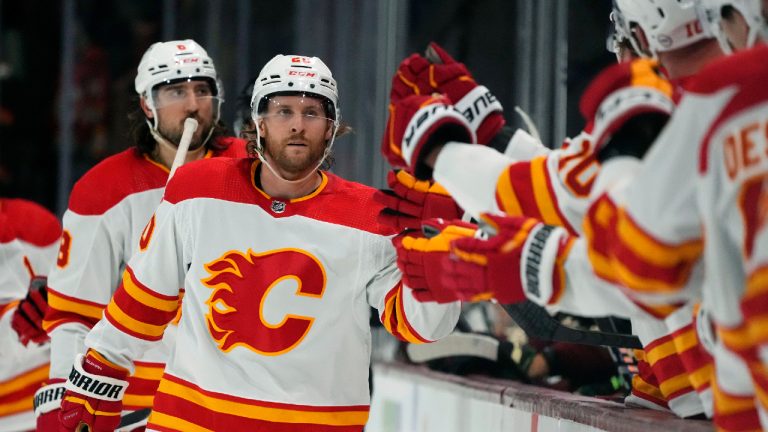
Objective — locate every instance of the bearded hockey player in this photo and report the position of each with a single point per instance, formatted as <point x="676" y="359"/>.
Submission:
<point x="280" y="263"/>
<point x="110" y="209"/>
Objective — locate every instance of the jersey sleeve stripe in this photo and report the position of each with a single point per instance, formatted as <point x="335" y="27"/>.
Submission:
<point x="546" y="199"/>
<point x="623" y="253"/>
<point x="647" y="391"/>
<point x="64" y="303"/>
<point x="394" y="320"/>
<point x="730" y="407"/>
<point x="518" y="176"/>
<point x="506" y="198"/>
<point x="403" y="326"/>
<point x="147" y="331"/>
<point x="147" y="297"/>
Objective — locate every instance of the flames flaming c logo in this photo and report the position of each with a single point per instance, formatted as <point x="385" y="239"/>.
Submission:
<point x="242" y="281"/>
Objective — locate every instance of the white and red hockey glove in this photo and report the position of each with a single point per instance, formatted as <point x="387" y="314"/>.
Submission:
<point x="47" y="404"/>
<point x="94" y="396"/>
<point x="438" y="72"/>
<point x="626" y="106"/>
<point x="524" y="258"/>
<point x="410" y="201"/>
<point x="416" y="125"/>
<point x="419" y="255"/>
<point x="27" y="319"/>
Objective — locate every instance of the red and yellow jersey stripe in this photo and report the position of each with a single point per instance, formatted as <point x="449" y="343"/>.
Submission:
<point x="182" y="405"/>
<point x="394" y="319"/>
<point x="667" y="367"/>
<point x="734" y="412"/>
<point x="17" y="393"/>
<point x="624" y="253"/>
<point x="754" y="306"/>
<point x="140" y="312"/>
<point x="645" y="385"/>
<point x="697" y="361"/>
<point x="64" y="309"/>
<point x="525" y="189"/>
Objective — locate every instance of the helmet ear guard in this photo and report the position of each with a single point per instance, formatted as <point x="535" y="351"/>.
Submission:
<point x="711" y="14"/>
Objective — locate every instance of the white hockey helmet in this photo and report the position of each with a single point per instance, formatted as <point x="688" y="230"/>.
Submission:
<point x="667" y="24"/>
<point x="711" y="12"/>
<point x="299" y="74"/>
<point x="173" y="61"/>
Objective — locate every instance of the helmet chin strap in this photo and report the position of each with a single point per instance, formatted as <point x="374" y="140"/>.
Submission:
<point x="260" y="153"/>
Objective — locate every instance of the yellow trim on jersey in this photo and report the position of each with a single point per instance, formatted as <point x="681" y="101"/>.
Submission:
<point x="506" y="193"/>
<point x="17" y="383"/>
<point x="739" y="338"/>
<point x="649" y="250"/>
<point x="175" y="423"/>
<point x="138" y="400"/>
<point x="642" y="386"/>
<point x="660" y="352"/>
<point x="686" y="340"/>
<point x="148" y="372"/>
<point x="675" y="384"/>
<point x="65" y="305"/>
<point x="757" y="283"/>
<point x="24" y="404"/>
<point x="255" y="412"/>
<point x="146" y="298"/>
<point x="726" y="404"/>
<point x="544" y="200"/>
<point x="702" y="376"/>
<point x="314" y="193"/>
<point x="133" y="324"/>
<point x="157" y="164"/>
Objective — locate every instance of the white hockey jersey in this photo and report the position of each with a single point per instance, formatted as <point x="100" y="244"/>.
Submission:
<point x="108" y="209"/>
<point x="691" y="200"/>
<point x="274" y="331"/>
<point x="29" y="239"/>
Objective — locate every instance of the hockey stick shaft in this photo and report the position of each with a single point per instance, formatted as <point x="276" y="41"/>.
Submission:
<point x="190" y="126"/>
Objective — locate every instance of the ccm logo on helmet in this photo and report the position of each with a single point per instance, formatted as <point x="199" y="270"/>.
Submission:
<point x="302" y="74"/>
<point x="304" y="60"/>
<point x="95" y="386"/>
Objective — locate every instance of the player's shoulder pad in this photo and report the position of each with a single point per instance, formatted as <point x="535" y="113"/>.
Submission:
<point x="746" y="68"/>
<point x="232" y="147"/>
<point x="30" y="222"/>
<point x="113" y="179"/>
<point x="220" y="177"/>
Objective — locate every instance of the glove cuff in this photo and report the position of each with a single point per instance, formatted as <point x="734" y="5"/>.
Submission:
<point x="94" y="385"/>
<point x="48" y="397"/>
<point x="425" y="124"/>
<point x="477" y="105"/>
<point x="541" y="263"/>
<point x="622" y="105"/>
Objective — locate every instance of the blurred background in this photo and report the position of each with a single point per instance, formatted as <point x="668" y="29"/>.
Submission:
<point x="64" y="98"/>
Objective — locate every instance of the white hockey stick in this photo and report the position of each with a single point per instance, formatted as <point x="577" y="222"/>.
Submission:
<point x="190" y="126"/>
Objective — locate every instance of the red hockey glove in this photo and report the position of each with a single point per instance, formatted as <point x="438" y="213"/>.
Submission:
<point x="416" y="125"/>
<point x="440" y="73"/>
<point x="94" y="396"/>
<point x="409" y="201"/>
<point x="419" y="257"/>
<point x="626" y="106"/>
<point x="524" y="256"/>
<point x="27" y="320"/>
<point x="47" y="404"/>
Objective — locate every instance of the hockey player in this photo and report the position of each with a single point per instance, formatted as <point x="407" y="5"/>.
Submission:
<point x="280" y="263"/>
<point x="655" y="257"/>
<point x="29" y="239"/>
<point x="110" y="208"/>
<point x="555" y="186"/>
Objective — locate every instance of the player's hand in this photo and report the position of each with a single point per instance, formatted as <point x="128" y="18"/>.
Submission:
<point x="409" y="201"/>
<point x="626" y="106"/>
<point x="27" y="319"/>
<point x="419" y="257"/>
<point x="523" y="258"/>
<point x="416" y="125"/>
<point x="438" y="72"/>
<point x="47" y="405"/>
<point x="94" y="396"/>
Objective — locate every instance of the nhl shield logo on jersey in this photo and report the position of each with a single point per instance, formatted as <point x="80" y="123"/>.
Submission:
<point x="278" y="206"/>
<point x="241" y="283"/>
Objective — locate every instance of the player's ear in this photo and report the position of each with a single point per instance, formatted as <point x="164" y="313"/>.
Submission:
<point x="260" y="124"/>
<point x="145" y="108"/>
